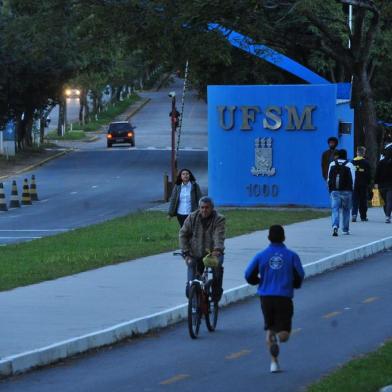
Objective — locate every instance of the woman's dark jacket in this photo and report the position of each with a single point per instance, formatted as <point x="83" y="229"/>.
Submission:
<point x="175" y="198"/>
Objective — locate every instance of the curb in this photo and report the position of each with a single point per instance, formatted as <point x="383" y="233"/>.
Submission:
<point x="40" y="163"/>
<point x="46" y="355"/>
<point x="141" y="106"/>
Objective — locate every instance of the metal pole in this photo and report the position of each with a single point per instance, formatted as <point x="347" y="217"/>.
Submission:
<point x="173" y="142"/>
<point x="182" y="107"/>
<point x="350" y="22"/>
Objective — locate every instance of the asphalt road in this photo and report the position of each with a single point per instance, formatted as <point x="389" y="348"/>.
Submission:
<point x="96" y="183"/>
<point x="338" y="316"/>
<point x="87" y="187"/>
<point x="153" y="127"/>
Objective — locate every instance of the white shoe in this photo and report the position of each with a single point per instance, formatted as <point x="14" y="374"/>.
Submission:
<point x="274" y="367"/>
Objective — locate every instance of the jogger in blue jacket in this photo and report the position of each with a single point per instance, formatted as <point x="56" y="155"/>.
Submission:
<point x="278" y="271"/>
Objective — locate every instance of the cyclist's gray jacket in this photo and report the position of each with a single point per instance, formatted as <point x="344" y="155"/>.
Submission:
<point x="195" y="239"/>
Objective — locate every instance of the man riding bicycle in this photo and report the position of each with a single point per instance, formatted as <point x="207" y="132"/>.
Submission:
<point x="203" y="232"/>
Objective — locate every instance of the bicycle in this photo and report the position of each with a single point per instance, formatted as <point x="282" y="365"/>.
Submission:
<point x="201" y="302"/>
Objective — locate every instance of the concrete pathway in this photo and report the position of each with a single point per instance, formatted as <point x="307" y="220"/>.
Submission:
<point x="44" y="322"/>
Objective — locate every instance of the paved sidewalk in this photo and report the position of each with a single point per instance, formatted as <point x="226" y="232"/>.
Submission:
<point x="45" y="322"/>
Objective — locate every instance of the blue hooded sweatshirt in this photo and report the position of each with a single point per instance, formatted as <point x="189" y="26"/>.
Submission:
<point x="276" y="270"/>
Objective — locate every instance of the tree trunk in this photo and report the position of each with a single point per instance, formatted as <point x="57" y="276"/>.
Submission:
<point x="42" y="124"/>
<point x="369" y="119"/>
<point x="61" y="120"/>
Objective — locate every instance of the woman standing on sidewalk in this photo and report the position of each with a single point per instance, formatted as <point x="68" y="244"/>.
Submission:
<point x="185" y="196"/>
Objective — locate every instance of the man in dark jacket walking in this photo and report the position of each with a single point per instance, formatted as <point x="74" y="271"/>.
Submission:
<point x="383" y="180"/>
<point x="277" y="270"/>
<point x="328" y="156"/>
<point x="361" y="185"/>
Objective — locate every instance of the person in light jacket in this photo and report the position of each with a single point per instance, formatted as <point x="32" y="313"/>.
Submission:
<point x="185" y="196"/>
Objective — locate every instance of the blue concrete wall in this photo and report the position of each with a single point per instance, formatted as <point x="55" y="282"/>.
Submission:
<point x="296" y="154"/>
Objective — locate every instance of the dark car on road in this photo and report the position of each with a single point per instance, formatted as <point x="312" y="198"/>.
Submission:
<point x="121" y="132"/>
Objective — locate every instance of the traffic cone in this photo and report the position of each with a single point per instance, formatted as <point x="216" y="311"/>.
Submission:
<point x="33" y="189"/>
<point x="14" y="203"/>
<point x="3" y="203"/>
<point x="26" y="199"/>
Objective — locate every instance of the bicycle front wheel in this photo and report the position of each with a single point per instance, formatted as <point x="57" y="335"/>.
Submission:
<point x="194" y="311"/>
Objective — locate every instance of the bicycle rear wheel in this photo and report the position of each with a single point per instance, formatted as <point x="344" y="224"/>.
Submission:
<point x="212" y="310"/>
<point x="194" y="311"/>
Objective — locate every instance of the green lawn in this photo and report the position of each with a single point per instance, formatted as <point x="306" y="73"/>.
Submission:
<point x="106" y="116"/>
<point x="126" y="238"/>
<point x="103" y="118"/>
<point x="69" y="135"/>
<point x="367" y="374"/>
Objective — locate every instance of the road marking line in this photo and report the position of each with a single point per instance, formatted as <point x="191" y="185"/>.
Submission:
<point x="369" y="300"/>
<point x="332" y="314"/>
<point x="73" y="193"/>
<point x="238" y="354"/>
<point x="174" y="379"/>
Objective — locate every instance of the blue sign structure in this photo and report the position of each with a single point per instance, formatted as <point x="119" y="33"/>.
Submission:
<point x="9" y="131"/>
<point x="265" y="142"/>
<point x="265" y="53"/>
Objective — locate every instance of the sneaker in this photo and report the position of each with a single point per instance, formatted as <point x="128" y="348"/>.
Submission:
<point x="335" y="232"/>
<point x="274" y="367"/>
<point x="354" y="218"/>
<point x="364" y="219"/>
<point x="274" y="348"/>
<point x="346" y="232"/>
<point x="387" y="220"/>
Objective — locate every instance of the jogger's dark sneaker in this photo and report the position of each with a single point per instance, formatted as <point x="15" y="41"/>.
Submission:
<point x="354" y="218"/>
<point x="335" y="232"/>
<point x="387" y="220"/>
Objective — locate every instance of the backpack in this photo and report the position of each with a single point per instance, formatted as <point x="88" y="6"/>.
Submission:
<point x="340" y="178"/>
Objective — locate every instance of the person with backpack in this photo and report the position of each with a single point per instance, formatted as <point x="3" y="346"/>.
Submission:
<point x="361" y="185"/>
<point x="277" y="271"/>
<point x="341" y="179"/>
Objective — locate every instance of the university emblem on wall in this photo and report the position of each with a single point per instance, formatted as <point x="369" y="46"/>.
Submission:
<point x="263" y="157"/>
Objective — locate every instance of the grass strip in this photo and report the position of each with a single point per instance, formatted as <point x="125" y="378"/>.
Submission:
<point x="69" y="135"/>
<point x="121" y="239"/>
<point x="367" y="374"/>
<point x="106" y="116"/>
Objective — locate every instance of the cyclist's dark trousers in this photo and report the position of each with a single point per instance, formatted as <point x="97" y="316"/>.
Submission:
<point x="196" y="267"/>
<point x="360" y="202"/>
